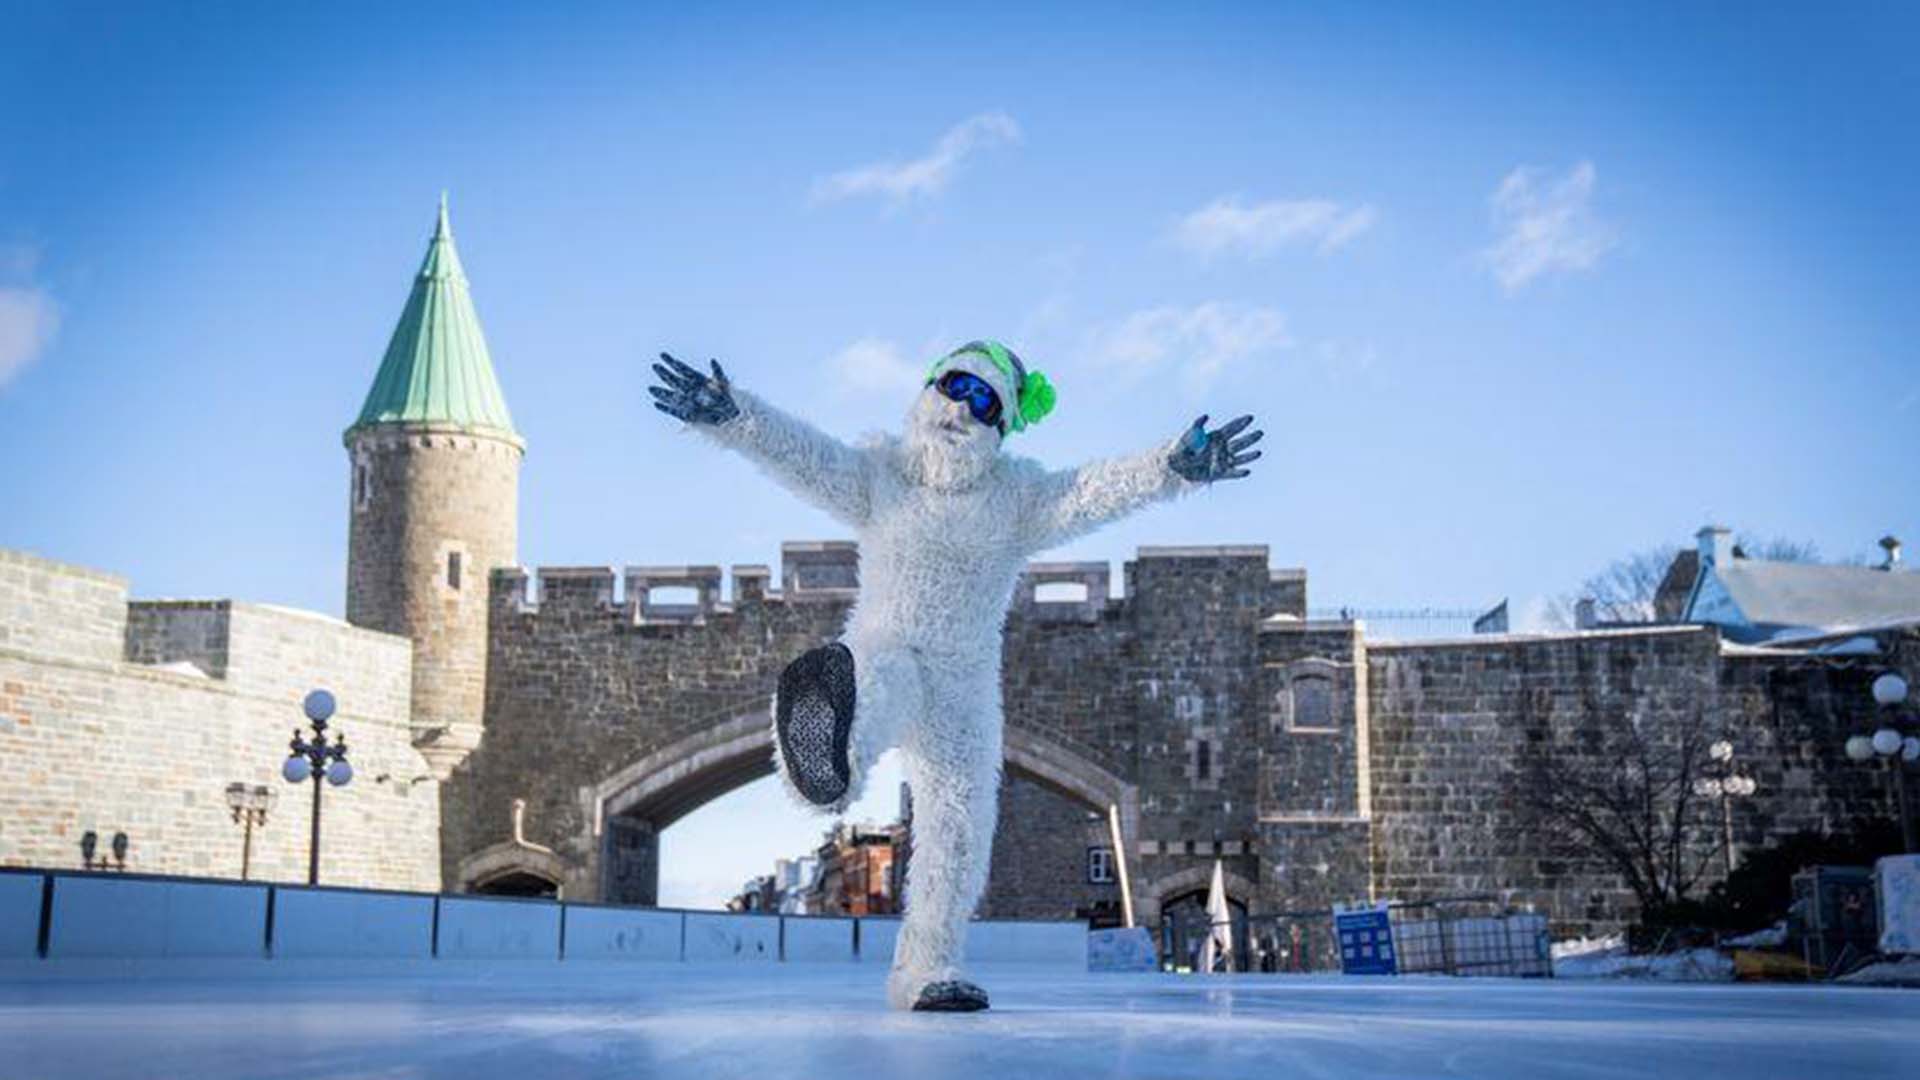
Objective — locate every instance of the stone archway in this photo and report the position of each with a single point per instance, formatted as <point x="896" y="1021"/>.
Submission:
<point x="627" y="811"/>
<point x="1161" y="889"/>
<point x="513" y="870"/>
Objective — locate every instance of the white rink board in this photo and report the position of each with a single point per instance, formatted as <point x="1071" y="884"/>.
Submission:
<point x="325" y="923"/>
<point x="817" y="940"/>
<point x="1897" y="882"/>
<point x="596" y="934"/>
<point x="498" y="929"/>
<point x="138" y="919"/>
<point x="19" y="915"/>
<point x="1054" y="944"/>
<point x="715" y="937"/>
<point x="877" y="937"/>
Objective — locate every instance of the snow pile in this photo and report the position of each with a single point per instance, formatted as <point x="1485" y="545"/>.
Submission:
<point x="1893" y="971"/>
<point x="1608" y="958"/>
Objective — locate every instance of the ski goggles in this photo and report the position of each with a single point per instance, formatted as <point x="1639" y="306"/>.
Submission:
<point x="980" y="398"/>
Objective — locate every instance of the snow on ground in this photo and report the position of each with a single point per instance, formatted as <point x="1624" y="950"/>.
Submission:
<point x="1608" y="958"/>
<point x="828" y="1020"/>
<point x="1894" y="971"/>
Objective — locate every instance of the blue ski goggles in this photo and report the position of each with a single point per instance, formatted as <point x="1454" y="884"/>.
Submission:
<point x="980" y="397"/>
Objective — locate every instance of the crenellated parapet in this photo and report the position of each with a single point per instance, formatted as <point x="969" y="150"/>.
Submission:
<point x="828" y="571"/>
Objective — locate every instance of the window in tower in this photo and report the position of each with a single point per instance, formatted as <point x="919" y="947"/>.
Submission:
<point x="362" y="483"/>
<point x="453" y="570"/>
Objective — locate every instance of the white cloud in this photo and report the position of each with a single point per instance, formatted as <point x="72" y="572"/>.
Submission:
<point x="902" y="182"/>
<point x="1198" y="342"/>
<point x="28" y="320"/>
<point x="873" y="364"/>
<point x="1229" y="225"/>
<point x="1545" y="225"/>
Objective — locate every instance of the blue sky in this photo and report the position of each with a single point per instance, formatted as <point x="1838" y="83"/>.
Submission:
<point x="1513" y="291"/>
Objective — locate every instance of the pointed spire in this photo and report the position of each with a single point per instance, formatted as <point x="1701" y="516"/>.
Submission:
<point x="437" y="369"/>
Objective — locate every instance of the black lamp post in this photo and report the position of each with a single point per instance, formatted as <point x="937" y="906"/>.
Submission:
<point x="249" y="805"/>
<point x="318" y="759"/>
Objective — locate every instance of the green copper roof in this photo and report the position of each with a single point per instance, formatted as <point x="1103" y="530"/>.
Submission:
<point x="437" y="369"/>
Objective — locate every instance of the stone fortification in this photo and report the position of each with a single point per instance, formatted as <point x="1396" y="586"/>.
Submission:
<point x="1318" y="766"/>
<point x="134" y="717"/>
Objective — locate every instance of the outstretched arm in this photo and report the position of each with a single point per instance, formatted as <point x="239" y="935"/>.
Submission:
<point x="805" y="460"/>
<point x="1074" y="502"/>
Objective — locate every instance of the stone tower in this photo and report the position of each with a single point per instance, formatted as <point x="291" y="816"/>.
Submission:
<point x="434" y="502"/>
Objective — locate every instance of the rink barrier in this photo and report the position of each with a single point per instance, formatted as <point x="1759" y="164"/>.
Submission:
<point x="112" y="923"/>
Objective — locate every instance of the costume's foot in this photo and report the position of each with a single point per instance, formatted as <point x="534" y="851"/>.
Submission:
<point x="951" y="995"/>
<point x="813" y="718"/>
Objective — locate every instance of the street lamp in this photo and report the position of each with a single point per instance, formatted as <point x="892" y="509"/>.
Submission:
<point x="249" y="805"/>
<point x="1723" y="783"/>
<point x="317" y="760"/>
<point x="1890" y="745"/>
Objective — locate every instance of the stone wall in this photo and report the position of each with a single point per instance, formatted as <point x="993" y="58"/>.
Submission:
<point x="1040" y="856"/>
<point x="135" y="718"/>
<point x="1452" y="720"/>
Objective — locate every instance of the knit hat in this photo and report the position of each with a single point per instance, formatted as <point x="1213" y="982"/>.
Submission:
<point x="1026" y="397"/>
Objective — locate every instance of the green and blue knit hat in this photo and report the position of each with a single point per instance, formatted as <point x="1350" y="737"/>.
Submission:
<point x="1026" y="397"/>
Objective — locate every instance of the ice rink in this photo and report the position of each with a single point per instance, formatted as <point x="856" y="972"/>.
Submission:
<point x="821" y="1021"/>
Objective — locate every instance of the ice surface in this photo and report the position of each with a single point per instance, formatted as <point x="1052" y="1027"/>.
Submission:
<point x="820" y="1020"/>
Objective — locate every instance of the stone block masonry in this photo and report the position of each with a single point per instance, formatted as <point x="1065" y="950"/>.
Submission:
<point x="134" y="717"/>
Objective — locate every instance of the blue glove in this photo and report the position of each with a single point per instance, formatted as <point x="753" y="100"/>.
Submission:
<point x="1205" y="456"/>
<point x="692" y="397"/>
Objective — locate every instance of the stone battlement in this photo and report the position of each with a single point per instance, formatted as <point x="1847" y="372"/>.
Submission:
<point x="828" y="571"/>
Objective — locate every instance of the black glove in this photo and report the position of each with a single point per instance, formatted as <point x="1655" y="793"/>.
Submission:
<point x="1205" y="456"/>
<point x="691" y="396"/>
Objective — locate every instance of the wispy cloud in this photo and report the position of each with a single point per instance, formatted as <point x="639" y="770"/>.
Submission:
<point x="872" y="365"/>
<point x="901" y="182"/>
<point x="1545" y="224"/>
<point x="1197" y="343"/>
<point x="29" y="318"/>
<point x="1230" y="225"/>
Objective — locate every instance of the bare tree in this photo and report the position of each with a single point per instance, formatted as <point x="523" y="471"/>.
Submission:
<point x="1625" y="590"/>
<point x="1625" y="793"/>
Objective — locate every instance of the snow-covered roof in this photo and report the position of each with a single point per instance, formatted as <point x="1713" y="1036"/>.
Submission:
<point x="1777" y="598"/>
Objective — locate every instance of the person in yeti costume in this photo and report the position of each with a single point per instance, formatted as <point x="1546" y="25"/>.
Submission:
<point x="946" y="522"/>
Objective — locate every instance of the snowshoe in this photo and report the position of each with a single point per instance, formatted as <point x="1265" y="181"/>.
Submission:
<point x="813" y="717"/>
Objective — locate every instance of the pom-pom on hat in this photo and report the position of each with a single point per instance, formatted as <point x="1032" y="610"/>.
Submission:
<point x="1026" y="397"/>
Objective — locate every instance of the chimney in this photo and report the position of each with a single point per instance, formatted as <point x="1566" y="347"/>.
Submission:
<point x="1716" y="545"/>
<point x="1890" y="545"/>
<point x="1583" y="616"/>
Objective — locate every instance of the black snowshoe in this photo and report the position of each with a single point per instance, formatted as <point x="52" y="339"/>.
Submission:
<point x="813" y="717"/>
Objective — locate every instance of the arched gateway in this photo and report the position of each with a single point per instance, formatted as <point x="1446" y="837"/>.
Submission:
<point x="630" y="808"/>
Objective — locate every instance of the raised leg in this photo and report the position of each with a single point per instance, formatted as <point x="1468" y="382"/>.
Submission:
<point x="953" y="768"/>
<point x="830" y="725"/>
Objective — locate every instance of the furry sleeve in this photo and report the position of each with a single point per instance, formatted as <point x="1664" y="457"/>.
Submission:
<point x="1073" y="502"/>
<point x="805" y="460"/>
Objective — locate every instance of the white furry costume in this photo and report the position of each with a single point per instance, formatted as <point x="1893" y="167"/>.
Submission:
<point x="946" y="523"/>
